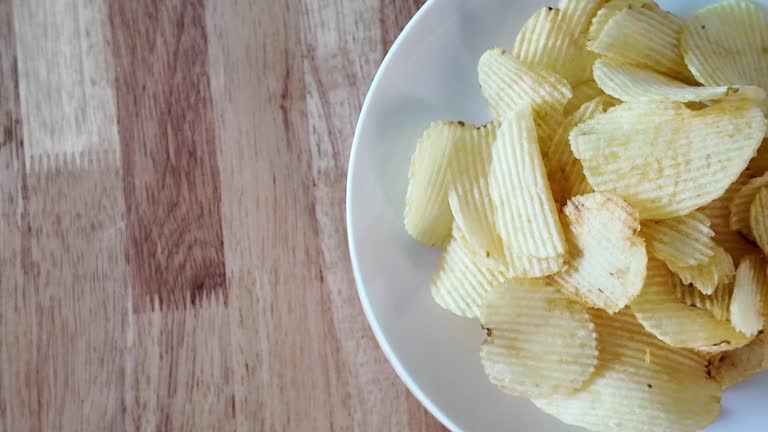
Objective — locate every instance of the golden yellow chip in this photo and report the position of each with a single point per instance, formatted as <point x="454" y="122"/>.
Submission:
<point x="640" y="384"/>
<point x="682" y="241"/>
<point x="539" y="342"/>
<point x="665" y="159"/>
<point x="461" y="282"/>
<point x="508" y="84"/>
<point x="661" y="313"/>
<point x="556" y="40"/>
<point x="718" y="270"/>
<point x="749" y="293"/>
<point x="582" y="93"/>
<point x="610" y="9"/>
<point x="637" y="84"/>
<point x="526" y="216"/>
<point x="469" y="193"/>
<point x="428" y="216"/>
<point x="739" y="364"/>
<point x="607" y="257"/>
<point x="758" y="218"/>
<point x="759" y="164"/>
<point x="719" y="302"/>
<point x="644" y="36"/>
<point x="566" y="175"/>
<point x="724" y="44"/>
<point x="742" y="202"/>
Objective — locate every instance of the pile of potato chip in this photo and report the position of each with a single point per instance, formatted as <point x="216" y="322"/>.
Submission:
<point x="609" y="227"/>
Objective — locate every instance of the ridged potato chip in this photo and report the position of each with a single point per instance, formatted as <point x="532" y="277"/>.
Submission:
<point x="610" y="9"/>
<point x="662" y="314"/>
<point x="644" y="36"/>
<point x="469" y="194"/>
<point x="582" y="93"/>
<point x="640" y="384"/>
<point x="749" y="294"/>
<point x="719" y="302"/>
<point x="607" y="257"/>
<point x="428" y="216"/>
<point x="758" y="218"/>
<point x="735" y="366"/>
<point x="718" y="270"/>
<point x="665" y="159"/>
<point x="683" y="240"/>
<point x="526" y="216"/>
<point x="637" y="84"/>
<point x="724" y="44"/>
<point x="556" y="39"/>
<point x="539" y="342"/>
<point x="718" y="212"/>
<point x="742" y="202"/>
<point x="461" y="283"/>
<point x="566" y="175"/>
<point x="508" y="84"/>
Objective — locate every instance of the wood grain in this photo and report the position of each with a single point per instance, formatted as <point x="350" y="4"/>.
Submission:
<point x="174" y="253"/>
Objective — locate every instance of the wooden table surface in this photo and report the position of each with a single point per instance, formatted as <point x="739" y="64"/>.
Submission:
<point x="173" y="251"/>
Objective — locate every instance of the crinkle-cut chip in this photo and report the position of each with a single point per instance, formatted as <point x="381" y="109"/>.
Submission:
<point x="610" y="9"/>
<point x="682" y="240"/>
<point x="556" y="39"/>
<point x="758" y="218"/>
<point x="664" y="159"/>
<point x="607" y="257"/>
<point x="461" y="282"/>
<point x="640" y="384"/>
<point x="737" y="365"/>
<point x="469" y="194"/>
<point x="539" y="342"/>
<point x="526" y="215"/>
<point x="637" y="84"/>
<point x="725" y="44"/>
<point x="749" y="293"/>
<point x="582" y="93"/>
<point x="759" y="164"/>
<point x="644" y="36"/>
<point x="742" y="202"/>
<point x="718" y="212"/>
<point x="719" y="269"/>
<point x="719" y="302"/>
<point x="508" y="84"/>
<point x="678" y="324"/>
<point x="566" y="175"/>
<point x="428" y="217"/>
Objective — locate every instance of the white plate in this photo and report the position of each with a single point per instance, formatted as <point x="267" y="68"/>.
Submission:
<point x="430" y="74"/>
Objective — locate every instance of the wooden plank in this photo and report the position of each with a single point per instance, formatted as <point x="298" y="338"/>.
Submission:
<point x="180" y="371"/>
<point x="338" y="71"/>
<point x="279" y="309"/>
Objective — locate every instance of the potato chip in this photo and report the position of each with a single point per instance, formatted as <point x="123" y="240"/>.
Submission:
<point x="739" y="364"/>
<point x="724" y="44"/>
<point x="582" y="93"/>
<point x="682" y="241"/>
<point x="718" y="212"/>
<point x="566" y="175"/>
<point x="719" y="269"/>
<point x="661" y="313"/>
<point x="718" y="303"/>
<point x="526" y="215"/>
<point x="539" y="342"/>
<point x="461" y="283"/>
<point x="758" y="218"/>
<point x="610" y="10"/>
<point x="742" y="202"/>
<point x="428" y="216"/>
<point x="469" y="193"/>
<point x="640" y="384"/>
<point x="644" y="36"/>
<point x="607" y="257"/>
<point x="508" y="84"/>
<point x="556" y="40"/>
<point x="636" y="84"/>
<point x="759" y="164"/>
<point x="665" y="159"/>
<point x="749" y="293"/>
